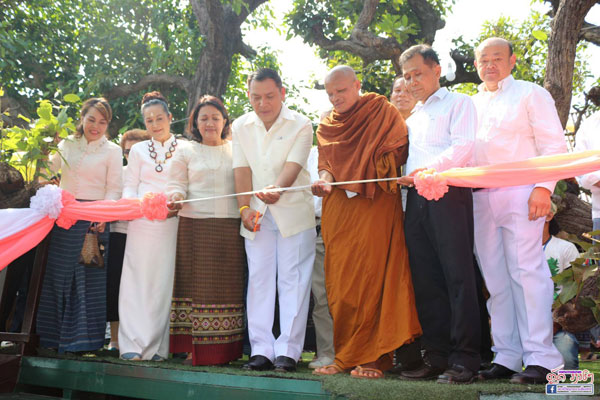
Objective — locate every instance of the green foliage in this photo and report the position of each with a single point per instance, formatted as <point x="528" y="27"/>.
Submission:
<point x="69" y="46"/>
<point x="571" y="280"/>
<point x="393" y="19"/>
<point x="28" y="148"/>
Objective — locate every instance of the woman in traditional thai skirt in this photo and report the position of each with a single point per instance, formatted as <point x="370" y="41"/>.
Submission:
<point x="72" y="311"/>
<point x="147" y="277"/>
<point x="208" y="300"/>
<point x="117" y="240"/>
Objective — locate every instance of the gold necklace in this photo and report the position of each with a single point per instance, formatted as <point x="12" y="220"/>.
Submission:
<point x="168" y="154"/>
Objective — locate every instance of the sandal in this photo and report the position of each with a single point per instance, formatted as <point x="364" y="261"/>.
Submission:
<point x="361" y="372"/>
<point x="326" y="370"/>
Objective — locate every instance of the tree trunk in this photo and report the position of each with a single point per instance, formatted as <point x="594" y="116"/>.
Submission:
<point x="214" y="68"/>
<point x="14" y="193"/>
<point x="575" y="215"/>
<point x="566" y="26"/>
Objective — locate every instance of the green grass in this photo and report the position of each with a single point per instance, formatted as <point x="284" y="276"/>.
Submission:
<point x="343" y="384"/>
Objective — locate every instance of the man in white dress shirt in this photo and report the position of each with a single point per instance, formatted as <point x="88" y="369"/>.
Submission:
<point x="517" y="121"/>
<point x="270" y="149"/>
<point x="588" y="138"/>
<point x="439" y="234"/>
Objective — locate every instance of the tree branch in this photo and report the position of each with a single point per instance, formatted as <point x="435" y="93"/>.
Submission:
<point x="148" y="80"/>
<point x="590" y="33"/>
<point x="245" y="50"/>
<point x="366" y="15"/>
<point x="429" y="19"/>
<point x="252" y="5"/>
<point x="462" y="74"/>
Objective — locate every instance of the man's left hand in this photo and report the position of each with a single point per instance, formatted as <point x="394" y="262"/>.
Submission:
<point x="409" y="180"/>
<point x="269" y="197"/>
<point x="406" y="180"/>
<point x="539" y="203"/>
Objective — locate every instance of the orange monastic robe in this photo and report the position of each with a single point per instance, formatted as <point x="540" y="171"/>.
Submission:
<point x="367" y="275"/>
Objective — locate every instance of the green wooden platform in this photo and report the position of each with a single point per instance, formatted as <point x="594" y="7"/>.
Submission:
<point x="160" y="383"/>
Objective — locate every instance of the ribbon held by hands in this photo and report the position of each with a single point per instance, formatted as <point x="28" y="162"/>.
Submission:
<point x="21" y="229"/>
<point x="433" y="185"/>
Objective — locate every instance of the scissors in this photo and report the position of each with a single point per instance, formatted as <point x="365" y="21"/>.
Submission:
<point x="256" y="219"/>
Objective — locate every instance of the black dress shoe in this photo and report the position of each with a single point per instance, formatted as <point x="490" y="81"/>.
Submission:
<point x="399" y="368"/>
<point x="496" y="371"/>
<point x="422" y="373"/>
<point x="533" y="374"/>
<point x="285" y="364"/>
<point x="258" y="363"/>
<point x="456" y="374"/>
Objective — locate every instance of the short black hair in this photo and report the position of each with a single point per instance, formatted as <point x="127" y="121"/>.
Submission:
<point x="208" y="100"/>
<point x="263" y="74"/>
<point x="429" y="55"/>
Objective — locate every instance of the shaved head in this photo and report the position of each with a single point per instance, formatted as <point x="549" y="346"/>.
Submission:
<point x="343" y="88"/>
<point x="494" y="41"/>
<point x="341" y="72"/>
<point x="494" y="60"/>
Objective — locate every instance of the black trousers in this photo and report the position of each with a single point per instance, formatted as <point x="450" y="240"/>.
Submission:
<point x="439" y="237"/>
<point x="114" y="269"/>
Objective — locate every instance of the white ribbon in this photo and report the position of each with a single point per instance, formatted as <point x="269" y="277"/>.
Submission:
<point x="283" y="189"/>
<point x="46" y="202"/>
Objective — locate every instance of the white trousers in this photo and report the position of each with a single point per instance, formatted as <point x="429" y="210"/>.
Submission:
<point x="283" y="266"/>
<point x="509" y="250"/>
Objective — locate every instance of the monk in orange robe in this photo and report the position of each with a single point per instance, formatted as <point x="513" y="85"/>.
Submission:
<point x="367" y="275"/>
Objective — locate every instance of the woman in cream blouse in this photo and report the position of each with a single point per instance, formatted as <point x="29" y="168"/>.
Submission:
<point x="208" y="304"/>
<point x="72" y="311"/>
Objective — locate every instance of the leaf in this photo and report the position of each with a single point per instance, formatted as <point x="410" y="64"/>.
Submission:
<point x="569" y="290"/>
<point x="1" y="92"/>
<point x="24" y="118"/>
<point x="71" y="98"/>
<point x="587" y="302"/>
<point x="62" y="117"/>
<point x="44" y="111"/>
<point x="566" y="275"/>
<point x="540" y="35"/>
<point x="578" y="271"/>
<point x="589" y="272"/>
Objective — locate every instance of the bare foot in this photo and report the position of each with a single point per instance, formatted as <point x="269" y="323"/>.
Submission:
<point x="331" y="369"/>
<point x="367" y="371"/>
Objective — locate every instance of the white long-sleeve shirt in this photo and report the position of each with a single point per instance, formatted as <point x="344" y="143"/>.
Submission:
<point x="141" y="176"/>
<point x="92" y="171"/>
<point x="199" y="171"/>
<point x="516" y="122"/>
<point x="588" y="138"/>
<point x="441" y="132"/>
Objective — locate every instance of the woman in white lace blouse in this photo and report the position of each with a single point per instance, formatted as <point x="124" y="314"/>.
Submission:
<point x="72" y="312"/>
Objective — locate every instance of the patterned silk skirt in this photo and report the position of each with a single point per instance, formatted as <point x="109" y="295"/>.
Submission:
<point x="207" y="314"/>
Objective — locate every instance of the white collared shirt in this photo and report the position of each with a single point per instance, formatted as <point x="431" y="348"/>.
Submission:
<point x="313" y="169"/>
<point x="441" y="132"/>
<point x="266" y="152"/>
<point x="199" y="171"/>
<point x="516" y="122"/>
<point x="141" y="176"/>
<point x="588" y="138"/>
<point x="93" y="171"/>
